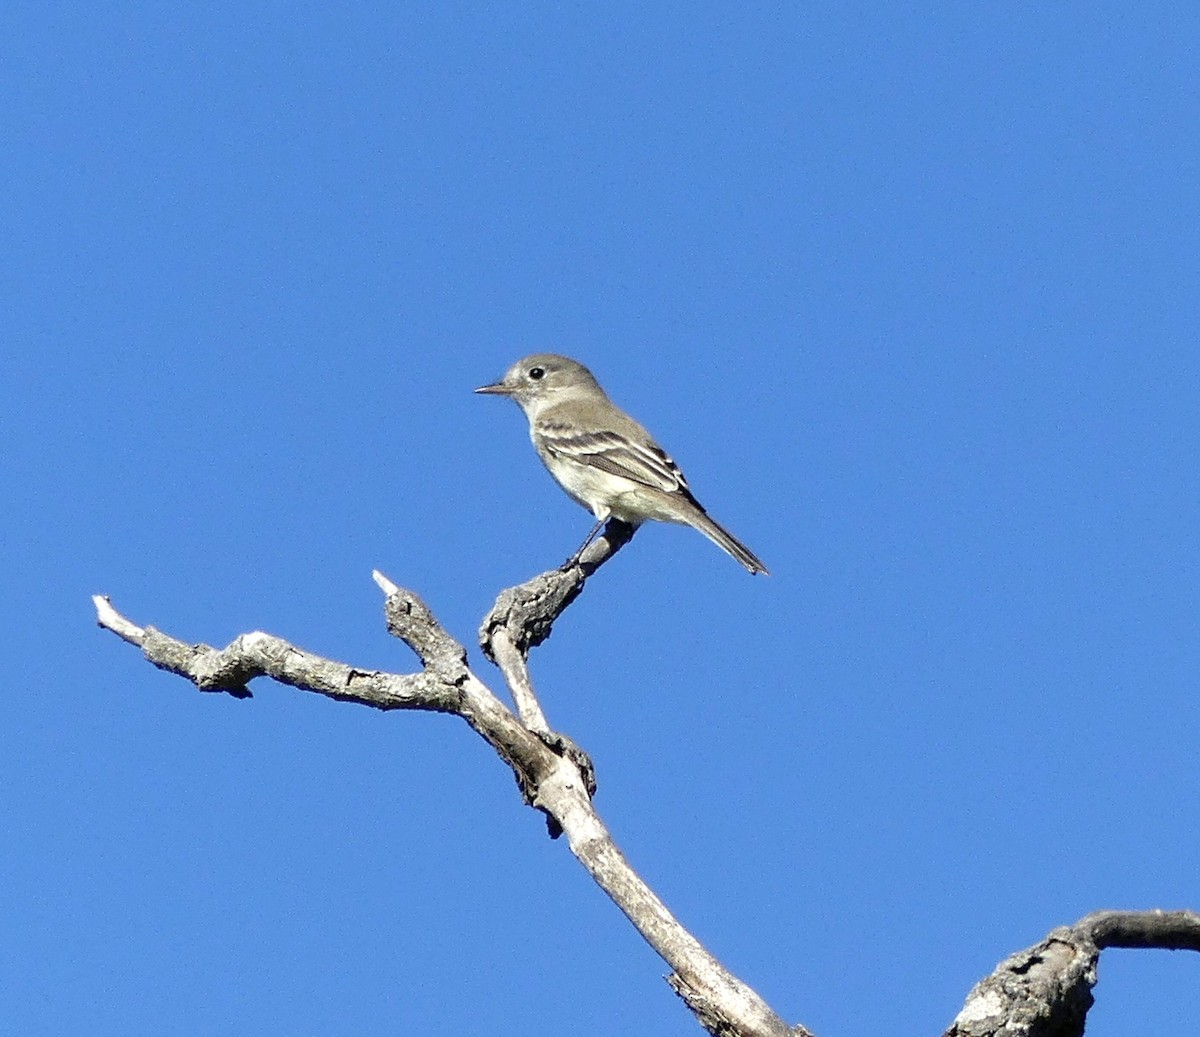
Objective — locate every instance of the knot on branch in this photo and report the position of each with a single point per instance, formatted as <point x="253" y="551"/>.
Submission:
<point x="1044" y="991"/>
<point x="528" y="610"/>
<point x="568" y="749"/>
<point x="706" y="1012"/>
<point x="713" y="1013"/>
<point x="531" y="772"/>
<point x="210" y="669"/>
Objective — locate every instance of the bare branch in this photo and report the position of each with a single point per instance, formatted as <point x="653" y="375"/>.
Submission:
<point x="722" y="1003"/>
<point x="411" y="620"/>
<point x="553" y="773"/>
<point x="528" y="611"/>
<point x="257" y="654"/>
<point x="1165" y="930"/>
<point x="109" y="618"/>
<point x="516" y="675"/>
<point x="1046" y="990"/>
<point x="521" y="619"/>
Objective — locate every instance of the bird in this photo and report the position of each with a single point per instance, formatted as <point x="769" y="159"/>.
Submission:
<point x="601" y="456"/>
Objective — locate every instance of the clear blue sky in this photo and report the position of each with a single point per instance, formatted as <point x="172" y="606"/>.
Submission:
<point x="910" y="291"/>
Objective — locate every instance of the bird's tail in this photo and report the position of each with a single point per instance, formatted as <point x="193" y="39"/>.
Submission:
<point x="726" y="541"/>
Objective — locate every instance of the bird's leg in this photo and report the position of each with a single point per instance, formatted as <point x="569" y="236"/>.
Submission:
<point x="582" y="547"/>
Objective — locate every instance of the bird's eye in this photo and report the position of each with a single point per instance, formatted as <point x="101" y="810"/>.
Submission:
<point x="536" y="372"/>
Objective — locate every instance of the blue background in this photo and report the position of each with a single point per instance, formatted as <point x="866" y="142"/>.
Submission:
<point x="910" y="291"/>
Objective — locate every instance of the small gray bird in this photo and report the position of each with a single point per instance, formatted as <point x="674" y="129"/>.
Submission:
<point x="602" y="457"/>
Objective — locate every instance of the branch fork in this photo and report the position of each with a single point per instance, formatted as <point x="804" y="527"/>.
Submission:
<point x="1044" y="991"/>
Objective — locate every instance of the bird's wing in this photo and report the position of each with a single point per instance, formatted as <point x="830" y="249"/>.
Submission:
<point x="645" y="463"/>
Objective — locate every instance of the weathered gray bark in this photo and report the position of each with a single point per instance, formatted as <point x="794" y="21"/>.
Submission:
<point x="1045" y="990"/>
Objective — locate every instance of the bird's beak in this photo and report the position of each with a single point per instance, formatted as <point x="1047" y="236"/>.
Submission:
<point x="495" y="389"/>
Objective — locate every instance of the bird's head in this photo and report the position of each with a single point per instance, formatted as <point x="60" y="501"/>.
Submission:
<point x="542" y="379"/>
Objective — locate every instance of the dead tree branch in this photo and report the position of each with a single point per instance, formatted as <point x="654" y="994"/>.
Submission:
<point x="554" y="775"/>
<point x="1046" y="990"/>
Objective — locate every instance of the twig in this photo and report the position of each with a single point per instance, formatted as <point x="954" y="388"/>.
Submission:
<point x="1164" y="930"/>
